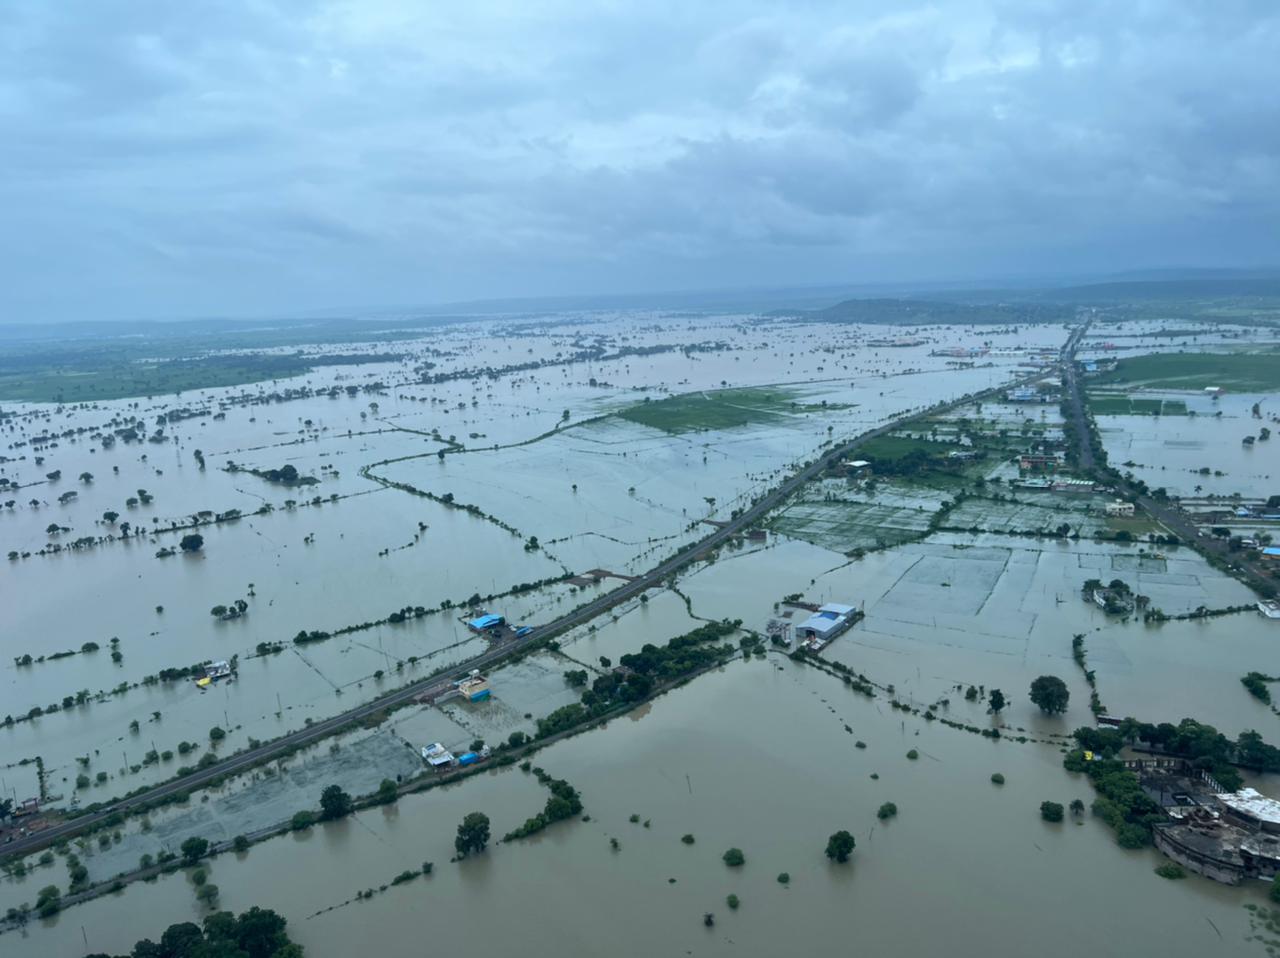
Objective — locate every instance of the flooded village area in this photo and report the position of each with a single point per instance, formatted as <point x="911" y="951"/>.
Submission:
<point x="191" y="577"/>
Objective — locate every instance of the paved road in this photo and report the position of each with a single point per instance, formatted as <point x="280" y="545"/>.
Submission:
<point x="1168" y="513"/>
<point x="436" y="685"/>
<point x="1075" y="401"/>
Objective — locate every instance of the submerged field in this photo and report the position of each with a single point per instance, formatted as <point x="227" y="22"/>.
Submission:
<point x="533" y="487"/>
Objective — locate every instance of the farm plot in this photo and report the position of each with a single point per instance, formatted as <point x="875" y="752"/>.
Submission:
<point x="890" y="517"/>
<point x="1004" y="516"/>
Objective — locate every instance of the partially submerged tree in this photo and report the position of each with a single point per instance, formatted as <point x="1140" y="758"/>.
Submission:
<point x="335" y="803"/>
<point x="473" y="834"/>
<point x="1050" y="694"/>
<point x="840" y="846"/>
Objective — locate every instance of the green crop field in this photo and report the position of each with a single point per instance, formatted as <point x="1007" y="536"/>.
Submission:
<point x="1243" y="372"/>
<point x="722" y="409"/>
<point x="895" y="447"/>
<point x="1110" y="404"/>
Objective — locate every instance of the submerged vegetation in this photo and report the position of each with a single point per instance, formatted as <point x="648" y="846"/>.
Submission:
<point x="564" y="803"/>
<point x="721" y="409"/>
<point x="638" y="673"/>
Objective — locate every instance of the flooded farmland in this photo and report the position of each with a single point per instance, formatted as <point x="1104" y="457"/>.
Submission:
<point x="354" y="526"/>
<point x="755" y="756"/>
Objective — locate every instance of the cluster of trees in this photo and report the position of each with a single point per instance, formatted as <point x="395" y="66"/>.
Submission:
<point x="565" y="802"/>
<point x="237" y="608"/>
<point x="682" y="655"/>
<point x="1203" y="745"/>
<point x="1256" y="683"/>
<point x="1121" y="802"/>
<point x="286" y="475"/>
<point x="256" y="933"/>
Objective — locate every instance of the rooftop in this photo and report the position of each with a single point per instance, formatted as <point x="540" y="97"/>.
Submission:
<point x="1251" y="802"/>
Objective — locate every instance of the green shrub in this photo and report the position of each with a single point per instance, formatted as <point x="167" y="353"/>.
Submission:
<point x="886" y="811"/>
<point x="733" y="902"/>
<point x="734" y="858"/>
<point x="997" y="779"/>
<point x="1171" y="870"/>
<point x="1051" y="811"/>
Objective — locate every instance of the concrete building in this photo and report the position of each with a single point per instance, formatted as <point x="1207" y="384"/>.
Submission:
<point x="1250" y="809"/>
<point x="1230" y="837"/>
<point x="1119" y="508"/>
<point x="474" y="688"/>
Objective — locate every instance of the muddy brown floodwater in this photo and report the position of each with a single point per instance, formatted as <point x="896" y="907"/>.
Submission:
<point x="755" y="756"/>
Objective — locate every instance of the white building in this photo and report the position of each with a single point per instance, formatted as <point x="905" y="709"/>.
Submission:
<point x="1119" y="508"/>
<point x="436" y="755"/>
<point x="825" y="624"/>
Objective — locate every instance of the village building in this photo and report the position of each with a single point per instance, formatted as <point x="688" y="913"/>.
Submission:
<point x="1038" y="464"/>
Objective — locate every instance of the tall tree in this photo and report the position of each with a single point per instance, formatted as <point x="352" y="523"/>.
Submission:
<point x="335" y="803"/>
<point x="473" y="834"/>
<point x="1050" y="693"/>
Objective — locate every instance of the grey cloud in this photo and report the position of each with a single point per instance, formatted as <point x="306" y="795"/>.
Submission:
<point x="258" y="155"/>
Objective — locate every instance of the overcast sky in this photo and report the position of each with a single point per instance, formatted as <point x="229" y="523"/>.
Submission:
<point x="181" y="157"/>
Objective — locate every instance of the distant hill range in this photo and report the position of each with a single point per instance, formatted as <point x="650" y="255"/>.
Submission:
<point x="1182" y="291"/>
<point x="923" y="312"/>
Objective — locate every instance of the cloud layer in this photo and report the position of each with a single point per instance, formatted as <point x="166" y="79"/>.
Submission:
<point x="246" y="156"/>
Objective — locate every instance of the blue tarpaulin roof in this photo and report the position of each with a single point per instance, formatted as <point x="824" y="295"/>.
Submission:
<point x="486" y="621"/>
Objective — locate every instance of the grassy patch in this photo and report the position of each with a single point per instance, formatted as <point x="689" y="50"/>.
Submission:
<point x="1137" y="526"/>
<point x="722" y="409"/>
<point x="1245" y="372"/>
<point x="1109" y="404"/>
<point x="895" y="447"/>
